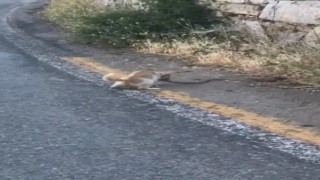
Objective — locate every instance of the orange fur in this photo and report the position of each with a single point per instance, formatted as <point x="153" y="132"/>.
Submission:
<point x="142" y="79"/>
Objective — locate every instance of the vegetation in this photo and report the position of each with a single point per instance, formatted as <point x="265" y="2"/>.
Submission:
<point x="165" y="27"/>
<point x="124" y="26"/>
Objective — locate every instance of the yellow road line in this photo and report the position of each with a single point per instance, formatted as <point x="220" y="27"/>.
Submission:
<point x="266" y="123"/>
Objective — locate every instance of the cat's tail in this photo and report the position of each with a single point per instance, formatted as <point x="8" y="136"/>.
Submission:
<point x="112" y="77"/>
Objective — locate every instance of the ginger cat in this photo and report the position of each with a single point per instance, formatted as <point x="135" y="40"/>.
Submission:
<point x="142" y="79"/>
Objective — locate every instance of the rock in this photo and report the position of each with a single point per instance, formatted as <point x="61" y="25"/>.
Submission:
<point x="255" y="28"/>
<point x="289" y="36"/>
<point x="234" y="1"/>
<point x="244" y="1"/>
<point x="136" y="4"/>
<point x="313" y="36"/>
<point x="241" y="9"/>
<point x="258" y="1"/>
<point x="300" y="12"/>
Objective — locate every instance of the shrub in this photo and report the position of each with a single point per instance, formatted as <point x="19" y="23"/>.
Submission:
<point x="163" y="19"/>
<point x="117" y="28"/>
<point x="169" y="14"/>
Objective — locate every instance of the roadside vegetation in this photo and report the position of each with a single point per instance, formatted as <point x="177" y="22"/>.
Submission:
<point x="176" y="28"/>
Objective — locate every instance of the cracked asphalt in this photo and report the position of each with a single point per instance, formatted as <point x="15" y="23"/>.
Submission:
<point x="56" y="126"/>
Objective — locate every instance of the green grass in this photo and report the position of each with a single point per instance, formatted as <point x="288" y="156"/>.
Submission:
<point x="123" y="27"/>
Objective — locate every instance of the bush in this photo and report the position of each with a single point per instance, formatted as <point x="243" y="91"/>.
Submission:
<point x="163" y="19"/>
<point x="169" y="14"/>
<point x="118" y="28"/>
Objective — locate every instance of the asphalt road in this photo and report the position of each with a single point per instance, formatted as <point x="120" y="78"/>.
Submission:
<point x="55" y="126"/>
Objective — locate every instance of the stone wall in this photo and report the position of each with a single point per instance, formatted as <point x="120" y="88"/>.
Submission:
<point x="285" y="21"/>
<point x="282" y="20"/>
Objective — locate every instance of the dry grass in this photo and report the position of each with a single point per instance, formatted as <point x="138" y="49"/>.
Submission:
<point x="202" y="52"/>
<point x="297" y="62"/>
